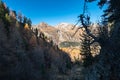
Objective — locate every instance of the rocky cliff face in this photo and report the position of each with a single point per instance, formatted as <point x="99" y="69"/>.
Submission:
<point x="60" y="33"/>
<point x="67" y="37"/>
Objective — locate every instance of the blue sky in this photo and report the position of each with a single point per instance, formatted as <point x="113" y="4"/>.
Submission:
<point x="53" y="12"/>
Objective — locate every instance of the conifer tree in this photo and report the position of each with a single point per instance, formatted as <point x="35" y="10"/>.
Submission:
<point x="85" y="51"/>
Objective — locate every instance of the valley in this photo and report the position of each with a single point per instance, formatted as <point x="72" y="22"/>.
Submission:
<point x="86" y="50"/>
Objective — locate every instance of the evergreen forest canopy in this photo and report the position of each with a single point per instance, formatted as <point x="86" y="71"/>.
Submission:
<point x="25" y="53"/>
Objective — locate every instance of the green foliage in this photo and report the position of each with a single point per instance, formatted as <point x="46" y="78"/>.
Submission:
<point x="26" y="20"/>
<point x="1" y="10"/>
<point x="86" y="52"/>
<point x="4" y="11"/>
<point x="7" y="17"/>
<point x="29" y="22"/>
<point x="69" y="44"/>
<point x="112" y="13"/>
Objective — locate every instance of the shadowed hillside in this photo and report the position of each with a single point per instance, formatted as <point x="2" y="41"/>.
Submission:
<point x="89" y="51"/>
<point x="25" y="54"/>
<point x="69" y="37"/>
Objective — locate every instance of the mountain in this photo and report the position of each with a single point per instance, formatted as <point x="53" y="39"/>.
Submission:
<point x="60" y="33"/>
<point x="68" y="37"/>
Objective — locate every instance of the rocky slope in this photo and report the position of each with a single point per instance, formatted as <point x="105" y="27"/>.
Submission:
<point x="24" y="55"/>
<point x="60" y="33"/>
<point x="67" y="37"/>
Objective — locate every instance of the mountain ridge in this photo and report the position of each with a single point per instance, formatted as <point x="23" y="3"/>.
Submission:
<point x="60" y="33"/>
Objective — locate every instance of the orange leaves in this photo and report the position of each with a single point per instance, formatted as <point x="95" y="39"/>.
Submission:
<point x="73" y="52"/>
<point x="26" y="26"/>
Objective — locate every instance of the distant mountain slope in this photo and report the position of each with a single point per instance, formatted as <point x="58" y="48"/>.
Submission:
<point x="67" y="37"/>
<point x="60" y="33"/>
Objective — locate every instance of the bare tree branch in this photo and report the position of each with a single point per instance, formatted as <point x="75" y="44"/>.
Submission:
<point x="76" y="24"/>
<point x="76" y="31"/>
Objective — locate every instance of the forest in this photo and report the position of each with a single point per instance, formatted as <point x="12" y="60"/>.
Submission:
<point x="26" y="53"/>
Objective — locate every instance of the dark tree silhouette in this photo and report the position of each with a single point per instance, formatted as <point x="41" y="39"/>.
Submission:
<point x="107" y="63"/>
<point x="86" y="52"/>
<point x="20" y="17"/>
<point x="4" y="11"/>
<point x="24" y="20"/>
<point x="29" y="22"/>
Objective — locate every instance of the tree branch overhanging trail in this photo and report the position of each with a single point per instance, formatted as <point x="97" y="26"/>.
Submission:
<point x="84" y="19"/>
